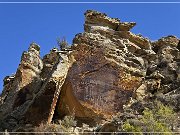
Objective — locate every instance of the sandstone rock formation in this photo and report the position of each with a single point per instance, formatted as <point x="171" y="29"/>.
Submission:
<point x="106" y="70"/>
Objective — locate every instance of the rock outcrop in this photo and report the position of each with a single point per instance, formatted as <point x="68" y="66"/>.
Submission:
<point x="104" y="72"/>
<point x="28" y="70"/>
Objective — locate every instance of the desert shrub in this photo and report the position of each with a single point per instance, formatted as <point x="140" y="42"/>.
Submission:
<point x="62" y="43"/>
<point x="49" y="128"/>
<point x="160" y="119"/>
<point x="69" y="121"/>
<point x="131" y="128"/>
<point x="66" y="125"/>
<point x="152" y="122"/>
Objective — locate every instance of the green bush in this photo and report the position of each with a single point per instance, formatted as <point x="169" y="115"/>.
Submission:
<point x="131" y="128"/>
<point x="159" y="119"/>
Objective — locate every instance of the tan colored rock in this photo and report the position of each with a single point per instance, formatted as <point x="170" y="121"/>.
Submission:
<point x="126" y="26"/>
<point x="96" y="78"/>
<point x="165" y="41"/>
<point x="140" y="41"/>
<point x="108" y="127"/>
<point x="97" y="18"/>
<point x="141" y="92"/>
<point x="29" y="68"/>
<point x="98" y="83"/>
<point x="44" y="102"/>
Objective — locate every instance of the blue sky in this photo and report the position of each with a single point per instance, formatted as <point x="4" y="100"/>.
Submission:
<point x="21" y="24"/>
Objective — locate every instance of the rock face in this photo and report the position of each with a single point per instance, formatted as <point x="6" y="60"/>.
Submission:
<point x="31" y="96"/>
<point x="28" y="70"/>
<point x="106" y="69"/>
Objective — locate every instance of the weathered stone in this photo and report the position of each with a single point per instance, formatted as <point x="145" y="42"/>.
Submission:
<point x="44" y="102"/>
<point x="29" y="69"/>
<point x="100" y="19"/>
<point x="88" y="82"/>
<point x="140" y="41"/>
<point x="126" y="26"/>
<point x="108" y="127"/>
<point x="107" y="70"/>
<point x="171" y="41"/>
<point x="8" y="79"/>
<point x="141" y="92"/>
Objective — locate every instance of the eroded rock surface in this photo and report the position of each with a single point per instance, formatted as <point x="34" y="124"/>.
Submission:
<point x="29" y="69"/>
<point x="106" y="70"/>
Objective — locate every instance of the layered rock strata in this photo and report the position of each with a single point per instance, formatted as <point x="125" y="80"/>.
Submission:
<point x="106" y="70"/>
